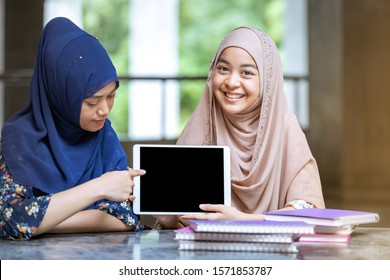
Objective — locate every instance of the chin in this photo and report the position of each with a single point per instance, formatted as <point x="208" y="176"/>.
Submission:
<point x="232" y="111"/>
<point x="93" y="129"/>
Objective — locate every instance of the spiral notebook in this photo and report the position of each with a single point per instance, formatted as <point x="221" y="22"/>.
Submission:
<point x="239" y="246"/>
<point x="187" y="233"/>
<point x="324" y="217"/>
<point x="251" y="226"/>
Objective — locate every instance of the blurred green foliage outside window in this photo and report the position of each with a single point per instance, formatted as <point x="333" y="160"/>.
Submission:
<point x="202" y="25"/>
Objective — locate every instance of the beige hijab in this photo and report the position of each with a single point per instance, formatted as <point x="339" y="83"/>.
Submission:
<point x="271" y="163"/>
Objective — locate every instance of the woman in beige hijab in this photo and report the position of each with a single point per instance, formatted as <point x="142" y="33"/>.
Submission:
<point x="243" y="106"/>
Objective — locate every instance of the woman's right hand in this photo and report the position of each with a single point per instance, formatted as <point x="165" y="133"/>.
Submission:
<point x="118" y="185"/>
<point x="221" y="212"/>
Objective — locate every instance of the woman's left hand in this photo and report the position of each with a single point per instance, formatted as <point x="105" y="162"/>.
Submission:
<point x="221" y="212"/>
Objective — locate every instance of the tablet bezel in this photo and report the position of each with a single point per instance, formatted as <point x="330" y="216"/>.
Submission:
<point x="137" y="180"/>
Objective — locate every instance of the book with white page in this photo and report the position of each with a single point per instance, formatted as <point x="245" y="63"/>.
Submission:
<point x="334" y="230"/>
<point x="191" y="245"/>
<point x="324" y="216"/>
<point x="235" y="226"/>
<point x="187" y="233"/>
<point x="326" y="238"/>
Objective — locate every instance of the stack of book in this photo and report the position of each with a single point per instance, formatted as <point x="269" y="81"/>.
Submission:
<point x="330" y="225"/>
<point x="281" y="231"/>
<point x="252" y="236"/>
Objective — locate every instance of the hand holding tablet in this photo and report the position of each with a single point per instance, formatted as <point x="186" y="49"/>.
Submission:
<point x="180" y="177"/>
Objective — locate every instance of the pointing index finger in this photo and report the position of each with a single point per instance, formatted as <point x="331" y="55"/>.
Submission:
<point x="135" y="173"/>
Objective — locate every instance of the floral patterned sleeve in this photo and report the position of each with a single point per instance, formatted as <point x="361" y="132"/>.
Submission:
<point x="124" y="212"/>
<point x="20" y="212"/>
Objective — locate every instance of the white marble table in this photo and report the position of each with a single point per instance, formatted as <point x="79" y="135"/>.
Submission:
<point x="365" y="243"/>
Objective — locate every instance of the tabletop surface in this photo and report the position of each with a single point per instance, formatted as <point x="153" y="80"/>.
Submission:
<point x="365" y="243"/>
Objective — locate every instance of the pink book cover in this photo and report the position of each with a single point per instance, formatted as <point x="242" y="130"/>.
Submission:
<point x="324" y="216"/>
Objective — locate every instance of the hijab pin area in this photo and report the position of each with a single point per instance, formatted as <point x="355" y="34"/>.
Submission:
<point x="77" y="59"/>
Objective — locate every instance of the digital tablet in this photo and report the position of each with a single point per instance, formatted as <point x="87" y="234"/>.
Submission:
<point x="180" y="177"/>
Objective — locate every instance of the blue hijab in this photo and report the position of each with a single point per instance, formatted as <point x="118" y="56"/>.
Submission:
<point x="43" y="144"/>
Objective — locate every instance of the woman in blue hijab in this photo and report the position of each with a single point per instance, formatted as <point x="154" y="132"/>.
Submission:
<point x="62" y="167"/>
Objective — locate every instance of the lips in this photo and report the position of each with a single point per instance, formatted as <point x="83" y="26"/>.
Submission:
<point x="100" y="121"/>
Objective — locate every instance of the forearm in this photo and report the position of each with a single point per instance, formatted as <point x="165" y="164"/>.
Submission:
<point x="90" y="221"/>
<point x="65" y="204"/>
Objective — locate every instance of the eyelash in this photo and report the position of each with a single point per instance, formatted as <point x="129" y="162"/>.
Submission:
<point x="94" y="104"/>
<point x="222" y="68"/>
<point x="248" y="73"/>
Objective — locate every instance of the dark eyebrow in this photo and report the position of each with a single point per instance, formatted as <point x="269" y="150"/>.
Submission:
<point x="242" y="65"/>
<point x="223" y="60"/>
<point x="249" y="65"/>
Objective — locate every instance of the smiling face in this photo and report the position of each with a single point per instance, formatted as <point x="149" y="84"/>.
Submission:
<point x="236" y="81"/>
<point x="96" y="108"/>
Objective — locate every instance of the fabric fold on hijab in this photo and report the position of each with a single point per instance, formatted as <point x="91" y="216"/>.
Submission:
<point x="43" y="144"/>
<point x="268" y="147"/>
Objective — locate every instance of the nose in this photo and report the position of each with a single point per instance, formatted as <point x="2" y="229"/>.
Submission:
<point x="233" y="80"/>
<point x="104" y="109"/>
